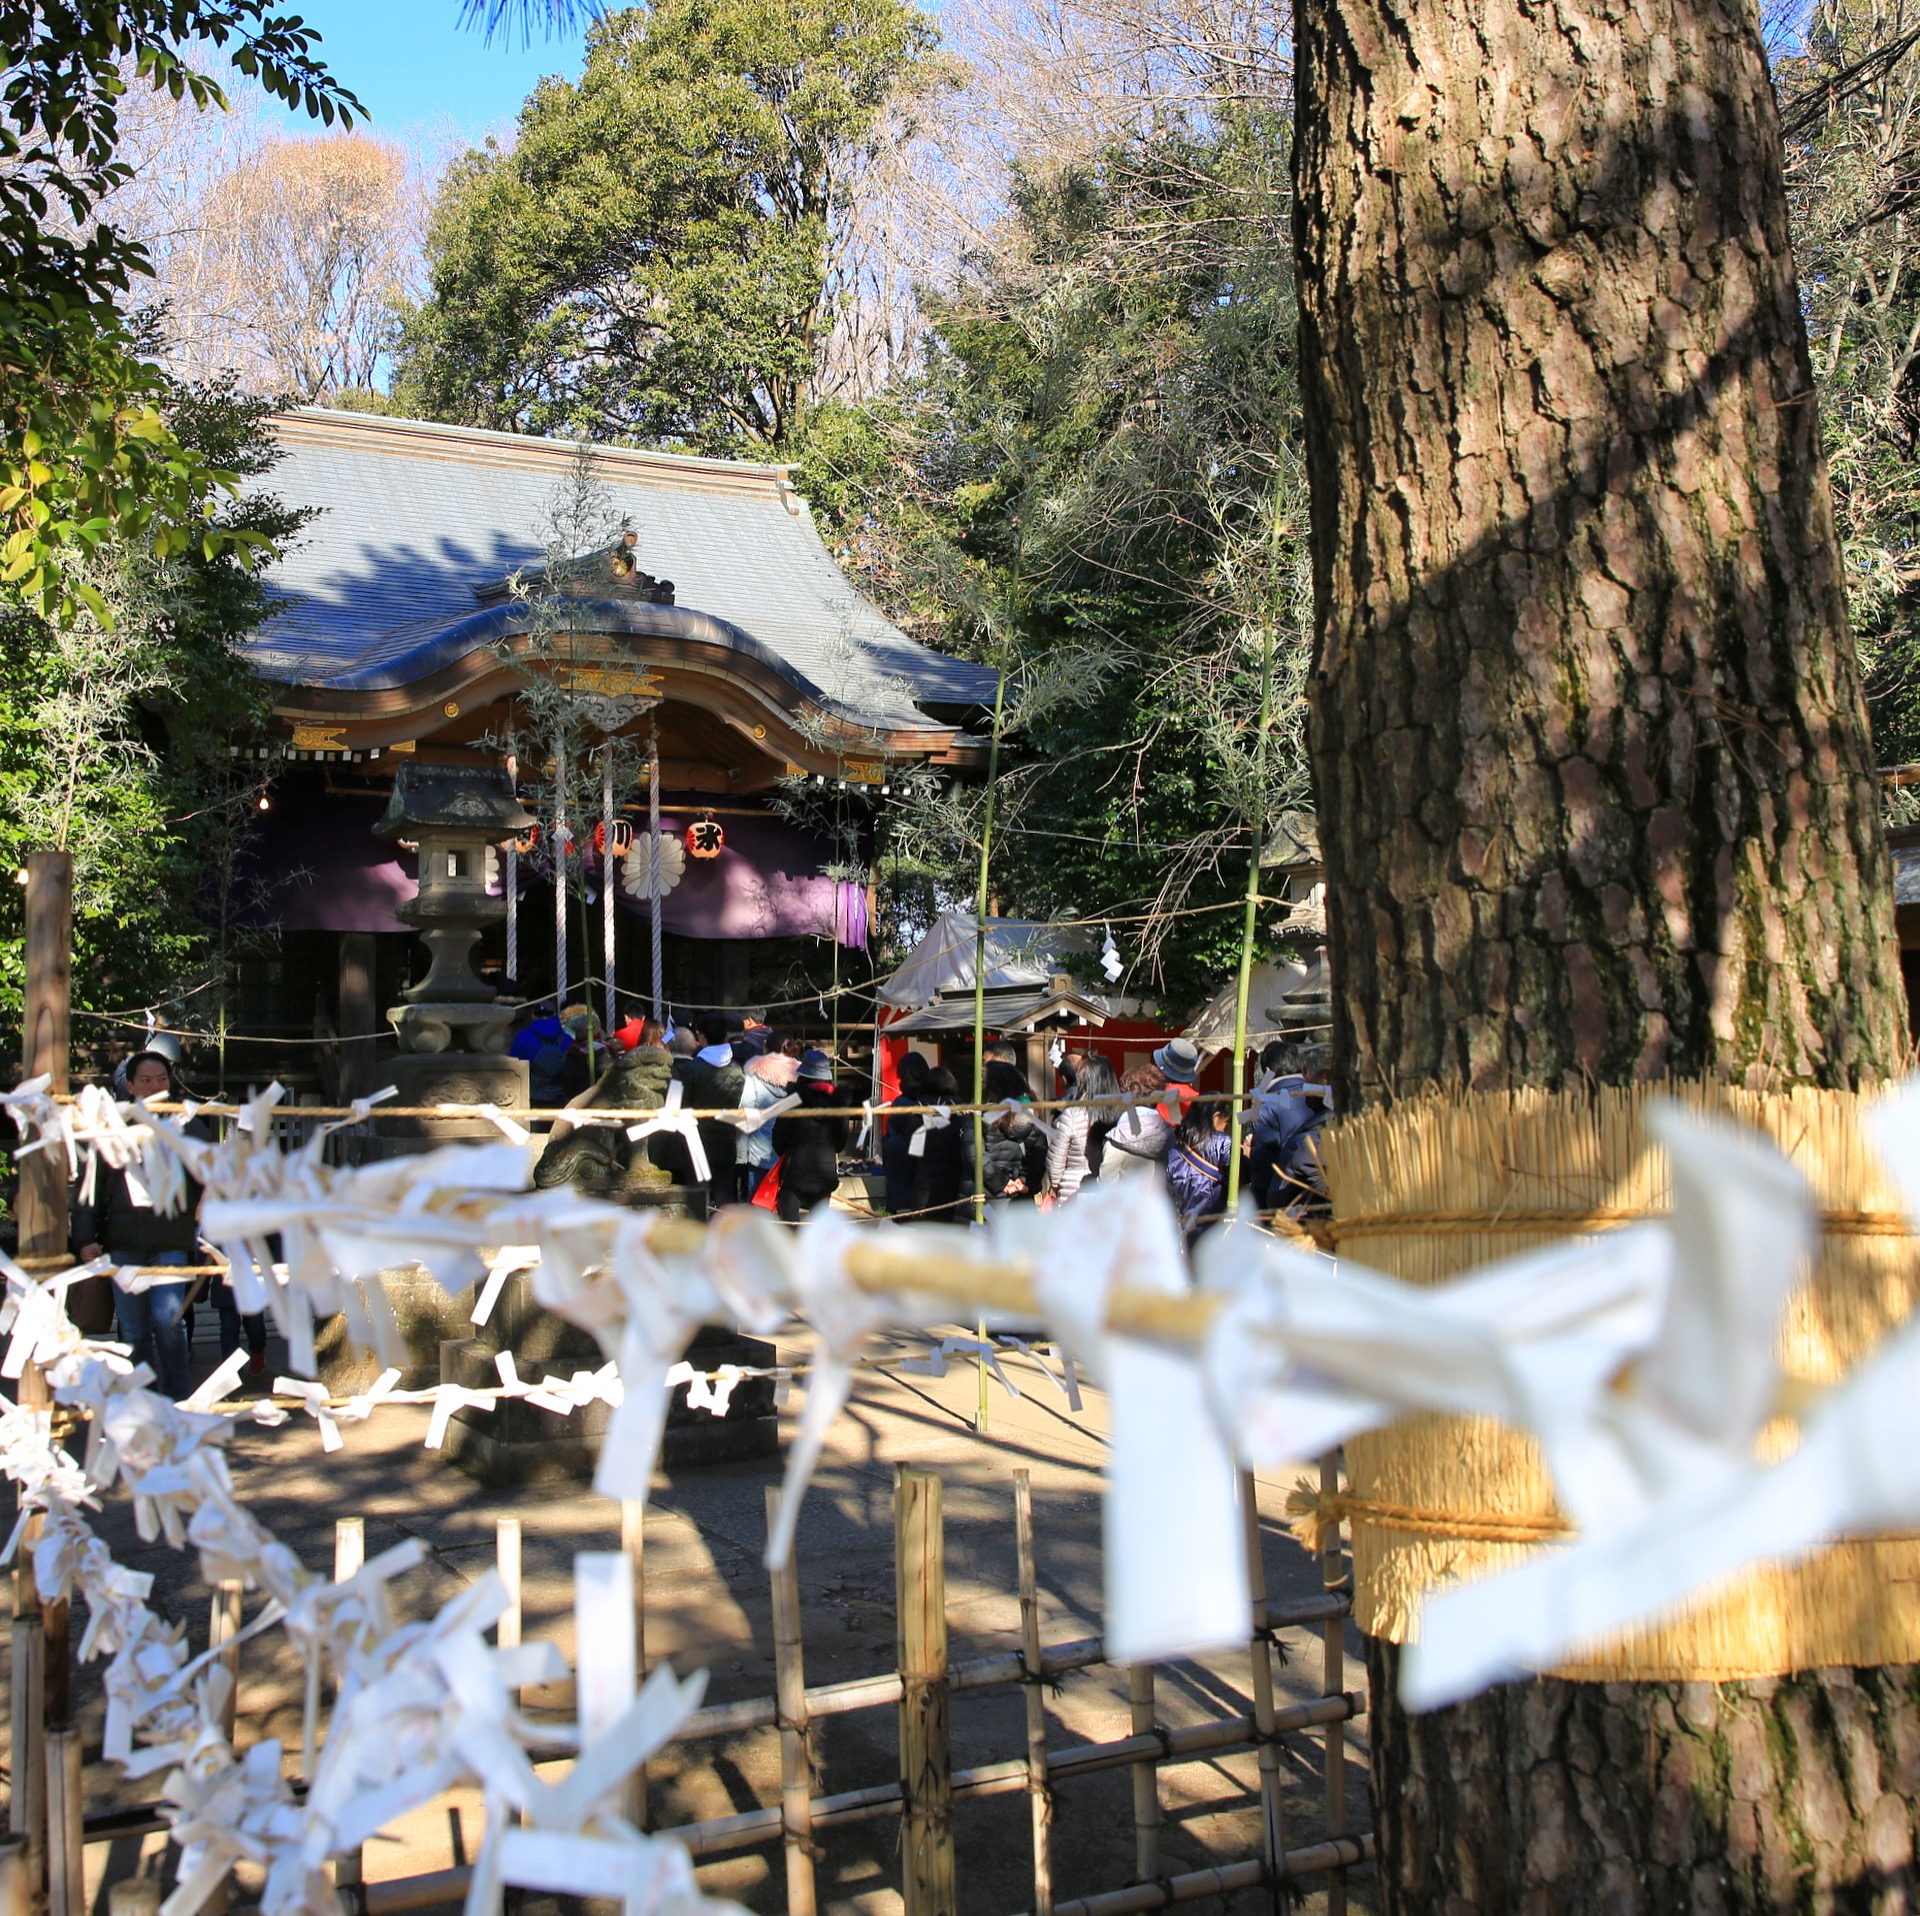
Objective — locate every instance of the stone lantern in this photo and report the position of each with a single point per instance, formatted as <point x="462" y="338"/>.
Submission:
<point x="453" y="814"/>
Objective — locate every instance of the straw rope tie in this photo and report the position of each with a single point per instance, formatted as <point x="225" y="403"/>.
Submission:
<point x="1311" y="1514"/>
<point x="1603" y="1217"/>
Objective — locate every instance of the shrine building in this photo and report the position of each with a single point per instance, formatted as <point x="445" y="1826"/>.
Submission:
<point x="404" y="635"/>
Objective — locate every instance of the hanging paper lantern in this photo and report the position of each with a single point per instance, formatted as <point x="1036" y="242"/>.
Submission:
<point x="622" y="837"/>
<point x="527" y="840"/>
<point x="706" y="838"/>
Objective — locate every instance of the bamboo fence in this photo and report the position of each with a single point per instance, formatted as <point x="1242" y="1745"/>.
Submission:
<point x="49" y="1829"/>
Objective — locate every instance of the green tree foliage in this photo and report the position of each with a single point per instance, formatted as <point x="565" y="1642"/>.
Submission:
<point x="115" y="729"/>
<point x="1097" y="486"/>
<point x="87" y="451"/>
<point x="652" y="260"/>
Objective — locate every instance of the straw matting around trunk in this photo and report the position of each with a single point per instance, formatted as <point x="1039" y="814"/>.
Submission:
<point x="1435" y="1187"/>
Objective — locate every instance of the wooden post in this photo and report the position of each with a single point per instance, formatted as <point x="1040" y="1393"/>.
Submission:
<point x="790" y="1697"/>
<point x="349" y="1553"/>
<point x="633" y="1540"/>
<point x="359" y="1022"/>
<point x="27" y="1803"/>
<point x="45" y="1041"/>
<point x="1146" y="1777"/>
<point x="66" y="1879"/>
<point x="38" y="1629"/>
<point x="1262" y="1650"/>
<point x="926" y="1759"/>
<point x="1333" y="1681"/>
<point x="1039" y="1790"/>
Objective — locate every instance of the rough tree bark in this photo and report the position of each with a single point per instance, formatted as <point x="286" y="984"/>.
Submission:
<point x="1595" y="787"/>
<point x="1593" y="767"/>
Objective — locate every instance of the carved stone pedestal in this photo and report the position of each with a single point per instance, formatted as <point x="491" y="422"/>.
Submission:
<point x="450" y="1077"/>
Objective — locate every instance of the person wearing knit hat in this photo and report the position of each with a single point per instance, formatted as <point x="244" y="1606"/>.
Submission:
<point x="809" y="1147"/>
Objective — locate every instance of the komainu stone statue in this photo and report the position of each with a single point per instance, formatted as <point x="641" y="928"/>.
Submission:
<point x="597" y="1159"/>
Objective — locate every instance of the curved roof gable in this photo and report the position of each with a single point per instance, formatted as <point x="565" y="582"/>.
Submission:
<point x="419" y="521"/>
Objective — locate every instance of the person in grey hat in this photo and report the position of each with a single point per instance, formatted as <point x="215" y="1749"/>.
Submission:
<point x="1179" y="1063"/>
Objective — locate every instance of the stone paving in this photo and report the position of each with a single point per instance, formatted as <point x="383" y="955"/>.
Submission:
<point x="707" y="1604"/>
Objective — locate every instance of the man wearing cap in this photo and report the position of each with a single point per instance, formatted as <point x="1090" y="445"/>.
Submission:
<point x="809" y="1147"/>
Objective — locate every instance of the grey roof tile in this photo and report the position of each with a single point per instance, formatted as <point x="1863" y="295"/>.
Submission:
<point x="380" y="590"/>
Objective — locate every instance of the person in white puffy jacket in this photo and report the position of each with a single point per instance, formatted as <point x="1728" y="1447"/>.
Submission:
<point x="1141" y="1137"/>
<point x="769" y="1079"/>
<point x="1080" y="1130"/>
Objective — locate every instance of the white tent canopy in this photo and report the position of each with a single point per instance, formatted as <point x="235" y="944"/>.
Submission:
<point x="1020" y="953"/>
<point x="1212" y="1028"/>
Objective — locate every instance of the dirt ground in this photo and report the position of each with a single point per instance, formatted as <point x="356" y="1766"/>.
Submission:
<point x="708" y="1604"/>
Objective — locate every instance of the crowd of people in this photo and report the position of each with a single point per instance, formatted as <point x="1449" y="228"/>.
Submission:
<point x="1112" y="1125"/>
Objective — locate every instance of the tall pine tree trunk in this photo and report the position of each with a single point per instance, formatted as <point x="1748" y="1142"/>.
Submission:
<point x="1595" y="787"/>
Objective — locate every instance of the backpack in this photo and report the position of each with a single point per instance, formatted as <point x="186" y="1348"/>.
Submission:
<point x="544" y="1068"/>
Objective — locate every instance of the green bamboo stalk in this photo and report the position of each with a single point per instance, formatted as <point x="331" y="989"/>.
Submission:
<point x="980" y="960"/>
<point x="980" y="1008"/>
<point x="1257" y="826"/>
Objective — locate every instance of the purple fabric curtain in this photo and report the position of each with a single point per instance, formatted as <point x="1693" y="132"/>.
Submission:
<point x="766" y="882"/>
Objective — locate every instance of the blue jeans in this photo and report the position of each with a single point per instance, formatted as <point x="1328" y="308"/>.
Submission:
<point x="153" y="1322"/>
<point x="231" y="1321"/>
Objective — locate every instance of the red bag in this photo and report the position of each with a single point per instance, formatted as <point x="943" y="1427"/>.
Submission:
<point x="766" y="1194"/>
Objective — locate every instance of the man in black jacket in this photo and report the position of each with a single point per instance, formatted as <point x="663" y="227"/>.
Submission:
<point x="716" y="1082"/>
<point x="809" y="1147"/>
<point x="121" y="1222"/>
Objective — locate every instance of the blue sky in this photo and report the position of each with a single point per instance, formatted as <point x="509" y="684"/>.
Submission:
<point x="423" y="76"/>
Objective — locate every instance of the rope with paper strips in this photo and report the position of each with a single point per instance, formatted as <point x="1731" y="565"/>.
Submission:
<point x="1643" y="1361"/>
<point x="420" y="1707"/>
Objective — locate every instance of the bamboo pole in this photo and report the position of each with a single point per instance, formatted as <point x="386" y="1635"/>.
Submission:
<point x="926" y="1757"/>
<point x="45" y="1041"/>
<point x="1274" y="1834"/>
<point x="559" y="875"/>
<point x="1033" y="1675"/>
<point x="223" y="1633"/>
<point x="506" y="1556"/>
<point x="66" y="1870"/>
<point x="653" y="862"/>
<point x="137" y="1896"/>
<point x="980" y="975"/>
<point x="349" y="1553"/>
<point x="606" y="889"/>
<point x="790" y="1697"/>
<point x="633" y="1541"/>
<point x="1256" y="826"/>
<point x="1333" y="1682"/>
<point x="1146" y="1776"/>
<point x="16" y="1881"/>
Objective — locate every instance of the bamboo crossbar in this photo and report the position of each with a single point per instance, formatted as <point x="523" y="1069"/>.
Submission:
<point x="609" y="1114"/>
<point x="747" y="1829"/>
<point x="438" y="1887"/>
<point x="976" y="1673"/>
